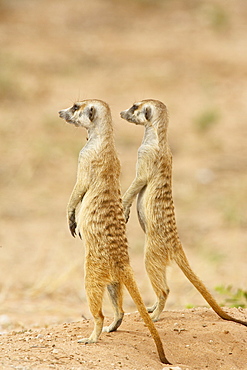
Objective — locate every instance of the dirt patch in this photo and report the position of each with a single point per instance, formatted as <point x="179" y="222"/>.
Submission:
<point x="193" y="339"/>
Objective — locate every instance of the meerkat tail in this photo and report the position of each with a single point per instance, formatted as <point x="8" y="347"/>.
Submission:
<point x="182" y="261"/>
<point x="132" y="288"/>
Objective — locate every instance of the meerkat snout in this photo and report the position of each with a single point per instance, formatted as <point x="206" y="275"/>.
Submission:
<point x="64" y="114"/>
<point x="123" y="114"/>
<point x="128" y="115"/>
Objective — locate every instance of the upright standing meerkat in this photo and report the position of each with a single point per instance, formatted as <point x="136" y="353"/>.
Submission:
<point x="95" y="212"/>
<point x="153" y="185"/>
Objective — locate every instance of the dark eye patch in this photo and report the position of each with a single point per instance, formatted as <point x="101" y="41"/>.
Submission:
<point x="133" y="108"/>
<point x="75" y="107"/>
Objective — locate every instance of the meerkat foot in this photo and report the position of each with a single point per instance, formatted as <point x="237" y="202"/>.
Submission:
<point x="87" y="340"/>
<point x="114" y="325"/>
<point x="154" y="318"/>
<point x="155" y="315"/>
<point x="93" y="338"/>
<point x="152" y="308"/>
<point x="159" y="306"/>
<point x="108" y="329"/>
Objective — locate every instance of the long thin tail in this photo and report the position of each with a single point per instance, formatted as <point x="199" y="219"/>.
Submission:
<point x="132" y="288"/>
<point x="184" y="265"/>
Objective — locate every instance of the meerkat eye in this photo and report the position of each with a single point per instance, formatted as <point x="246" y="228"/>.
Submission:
<point x="75" y="107"/>
<point x="133" y="108"/>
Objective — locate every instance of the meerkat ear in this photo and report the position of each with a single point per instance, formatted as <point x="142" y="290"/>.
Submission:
<point x="91" y="113"/>
<point x="148" y="113"/>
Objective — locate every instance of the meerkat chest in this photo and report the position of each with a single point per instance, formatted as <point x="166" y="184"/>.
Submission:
<point x="87" y="155"/>
<point x="147" y="157"/>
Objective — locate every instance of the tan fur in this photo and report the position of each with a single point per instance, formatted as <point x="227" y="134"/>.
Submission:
<point x="153" y="185"/>
<point x="95" y="212"/>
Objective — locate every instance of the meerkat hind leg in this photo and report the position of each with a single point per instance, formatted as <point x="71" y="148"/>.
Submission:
<point x="159" y="307"/>
<point x="95" y="298"/>
<point x="116" y="297"/>
<point x="157" y="276"/>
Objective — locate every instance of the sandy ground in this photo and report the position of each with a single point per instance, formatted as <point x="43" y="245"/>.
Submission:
<point x="193" y="339"/>
<point x="190" y="55"/>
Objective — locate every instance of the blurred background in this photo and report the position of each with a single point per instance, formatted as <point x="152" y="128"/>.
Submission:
<point x="191" y="55"/>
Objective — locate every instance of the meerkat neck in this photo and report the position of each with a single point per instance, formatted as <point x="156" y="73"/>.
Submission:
<point x="93" y="134"/>
<point x="101" y="130"/>
<point x="150" y="135"/>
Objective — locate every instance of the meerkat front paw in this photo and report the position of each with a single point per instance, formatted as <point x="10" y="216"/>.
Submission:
<point x="72" y="223"/>
<point x="126" y="213"/>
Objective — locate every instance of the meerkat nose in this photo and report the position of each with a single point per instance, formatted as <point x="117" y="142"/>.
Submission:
<point x="60" y="113"/>
<point x="122" y="114"/>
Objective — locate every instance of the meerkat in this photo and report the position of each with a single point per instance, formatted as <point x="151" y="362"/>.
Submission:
<point x="95" y="212"/>
<point x="155" y="207"/>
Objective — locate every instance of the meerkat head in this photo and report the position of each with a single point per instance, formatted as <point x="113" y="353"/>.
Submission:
<point x="145" y="112"/>
<point x="85" y="113"/>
